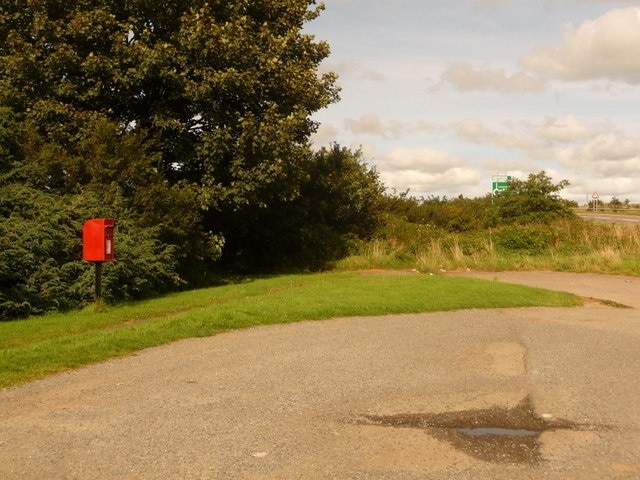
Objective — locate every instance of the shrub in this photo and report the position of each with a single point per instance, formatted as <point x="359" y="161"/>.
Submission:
<point x="533" y="200"/>
<point x="528" y="240"/>
<point x="41" y="248"/>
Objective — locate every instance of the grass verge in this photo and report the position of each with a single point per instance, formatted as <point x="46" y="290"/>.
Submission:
<point x="39" y="346"/>
<point x="572" y="246"/>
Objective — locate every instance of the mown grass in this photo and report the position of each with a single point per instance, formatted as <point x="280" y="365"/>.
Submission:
<point x="38" y="346"/>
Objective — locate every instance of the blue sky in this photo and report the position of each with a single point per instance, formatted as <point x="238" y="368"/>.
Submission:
<point x="441" y="96"/>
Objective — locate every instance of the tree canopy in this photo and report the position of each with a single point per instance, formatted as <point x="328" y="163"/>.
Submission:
<point x="534" y="199"/>
<point x="218" y="92"/>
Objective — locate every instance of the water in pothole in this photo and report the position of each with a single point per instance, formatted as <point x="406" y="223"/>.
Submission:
<point x="479" y="432"/>
<point x="498" y="435"/>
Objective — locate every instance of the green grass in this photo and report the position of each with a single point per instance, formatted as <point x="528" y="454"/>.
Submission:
<point x="39" y="346"/>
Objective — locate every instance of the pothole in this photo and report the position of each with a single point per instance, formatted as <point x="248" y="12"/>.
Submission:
<point x="498" y="435"/>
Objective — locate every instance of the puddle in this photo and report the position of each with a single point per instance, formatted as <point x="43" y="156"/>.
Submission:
<point x="479" y="432"/>
<point x="498" y="435"/>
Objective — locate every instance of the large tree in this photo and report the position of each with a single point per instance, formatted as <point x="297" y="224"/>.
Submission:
<point x="224" y="89"/>
<point x="204" y="101"/>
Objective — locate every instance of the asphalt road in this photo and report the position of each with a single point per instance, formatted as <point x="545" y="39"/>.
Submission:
<point x="354" y="398"/>
<point x="612" y="218"/>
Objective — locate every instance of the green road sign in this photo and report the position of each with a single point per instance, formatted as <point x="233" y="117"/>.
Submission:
<point x="499" y="183"/>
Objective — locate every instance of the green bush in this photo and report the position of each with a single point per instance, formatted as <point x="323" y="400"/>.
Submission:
<point x="41" y="248"/>
<point x="338" y="201"/>
<point x="528" y="240"/>
<point x="535" y="200"/>
<point x="452" y="215"/>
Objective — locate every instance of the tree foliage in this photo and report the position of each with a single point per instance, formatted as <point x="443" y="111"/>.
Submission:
<point x="220" y="92"/>
<point x="339" y="200"/>
<point x="615" y="204"/>
<point x="535" y="199"/>
<point x="40" y="244"/>
<point x="177" y="117"/>
<point x="40" y="252"/>
<point x="458" y="214"/>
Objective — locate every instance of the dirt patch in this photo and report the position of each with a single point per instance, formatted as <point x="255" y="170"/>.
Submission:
<point x="608" y="303"/>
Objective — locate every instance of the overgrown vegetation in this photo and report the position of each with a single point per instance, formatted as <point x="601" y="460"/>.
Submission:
<point x="569" y="245"/>
<point x="526" y="227"/>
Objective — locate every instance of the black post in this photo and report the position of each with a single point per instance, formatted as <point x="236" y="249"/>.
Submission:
<point x="98" y="284"/>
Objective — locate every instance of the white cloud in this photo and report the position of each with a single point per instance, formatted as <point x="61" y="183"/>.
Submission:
<point x="518" y="168"/>
<point x="492" y="3"/>
<point x="593" y="149"/>
<point x="386" y="51"/>
<point x="615" y="154"/>
<point x="426" y="171"/>
<point x="370" y="124"/>
<point x="581" y="188"/>
<point x="426" y="159"/>
<point x="427" y="127"/>
<point x="567" y="130"/>
<point x="325" y="135"/>
<point x="578" y="2"/>
<point x="465" y="77"/>
<point x="352" y="69"/>
<point x="424" y="183"/>
<point x="474" y="130"/>
<point x="596" y="156"/>
<point x="604" y="48"/>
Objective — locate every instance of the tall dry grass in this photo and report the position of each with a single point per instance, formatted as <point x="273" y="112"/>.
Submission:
<point x="572" y="245"/>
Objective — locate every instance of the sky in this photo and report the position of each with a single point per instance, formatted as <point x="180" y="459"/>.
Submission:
<point x="440" y="96"/>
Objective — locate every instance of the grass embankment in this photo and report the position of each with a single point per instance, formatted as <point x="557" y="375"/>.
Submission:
<point x="39" y="346"/>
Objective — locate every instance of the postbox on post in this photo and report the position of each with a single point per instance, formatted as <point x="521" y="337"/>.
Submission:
<point x="97" y="240"/>
<point x="98" y="245"/>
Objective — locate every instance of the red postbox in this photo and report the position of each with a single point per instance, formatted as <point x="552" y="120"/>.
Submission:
<point x="97" y="240"/>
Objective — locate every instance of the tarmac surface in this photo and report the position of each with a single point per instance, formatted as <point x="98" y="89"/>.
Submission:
<point x="611" y="218"/>
<point x="527" y="393"/>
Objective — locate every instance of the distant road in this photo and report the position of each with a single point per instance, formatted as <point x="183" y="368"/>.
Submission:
<point x="611" y="218"/>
